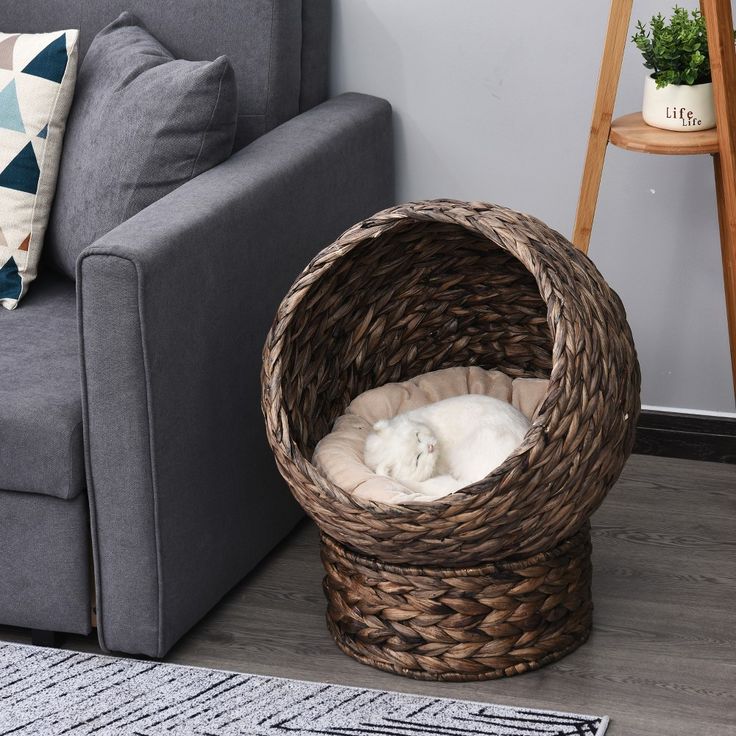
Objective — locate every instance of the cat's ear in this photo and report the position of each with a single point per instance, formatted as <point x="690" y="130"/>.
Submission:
<point x="380" y="425"/>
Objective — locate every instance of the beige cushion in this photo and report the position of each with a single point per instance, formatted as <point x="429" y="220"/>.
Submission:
<point x="339" y="455"/>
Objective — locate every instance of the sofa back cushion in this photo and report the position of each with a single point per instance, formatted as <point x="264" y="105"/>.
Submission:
<point x="143" y="124"/>
<point x="278" y="48"/>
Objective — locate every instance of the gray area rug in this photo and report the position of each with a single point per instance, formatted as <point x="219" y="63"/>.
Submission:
<point x="45" y="692"/>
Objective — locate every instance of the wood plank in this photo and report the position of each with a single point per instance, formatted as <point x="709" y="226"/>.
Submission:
<point x="633" y="134"/>
<point x="600" y="127"/>
<point x="661" y="657"/>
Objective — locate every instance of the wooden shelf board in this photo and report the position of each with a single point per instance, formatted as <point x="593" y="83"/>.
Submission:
<point x="633" y="134"/>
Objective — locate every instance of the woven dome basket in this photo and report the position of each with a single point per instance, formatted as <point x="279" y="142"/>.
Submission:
<point x="494" y="579"/>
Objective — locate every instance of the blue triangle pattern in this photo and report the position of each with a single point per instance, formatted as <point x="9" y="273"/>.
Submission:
<point x="10" y="117"/>
<point x="11" y="283"/>
<point x="43" y="132"/>
<point x="22" y="172"/>
<point x="51" y="62"/>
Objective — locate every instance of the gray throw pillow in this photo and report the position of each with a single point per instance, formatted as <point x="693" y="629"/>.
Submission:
<point x="142" y="124"/>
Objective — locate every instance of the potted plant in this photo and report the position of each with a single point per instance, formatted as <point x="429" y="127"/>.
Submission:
<point x="678" y="94"/>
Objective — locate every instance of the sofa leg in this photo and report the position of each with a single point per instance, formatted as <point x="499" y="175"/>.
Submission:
<point x="43" y="638"/>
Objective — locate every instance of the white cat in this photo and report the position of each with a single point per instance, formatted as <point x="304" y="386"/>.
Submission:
<point x="439" y="448"/>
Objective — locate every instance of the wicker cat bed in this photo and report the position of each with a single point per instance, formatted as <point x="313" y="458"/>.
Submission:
<point x="494" y="579"/>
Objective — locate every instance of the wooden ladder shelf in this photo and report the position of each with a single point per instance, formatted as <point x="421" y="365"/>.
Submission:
<point x="633" y="134"/>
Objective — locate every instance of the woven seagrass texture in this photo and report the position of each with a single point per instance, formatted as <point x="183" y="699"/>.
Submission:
<point x="460" y="624"/>
<point x="437" y="284"/>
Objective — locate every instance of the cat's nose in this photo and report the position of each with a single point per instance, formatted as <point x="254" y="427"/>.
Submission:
<point x="430" y="449"/>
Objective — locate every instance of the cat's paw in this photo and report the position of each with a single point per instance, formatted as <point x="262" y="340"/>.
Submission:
<point x="439" y="486"/>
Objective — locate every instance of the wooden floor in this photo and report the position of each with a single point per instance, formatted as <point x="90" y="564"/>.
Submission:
<point x="661" y="660"/>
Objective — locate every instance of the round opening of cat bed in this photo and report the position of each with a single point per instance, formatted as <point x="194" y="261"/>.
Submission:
<point x="442" y="284"/>
<point x="416" y="298"/>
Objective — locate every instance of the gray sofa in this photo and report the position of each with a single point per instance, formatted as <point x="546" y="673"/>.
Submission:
<point x="131" y="439"/>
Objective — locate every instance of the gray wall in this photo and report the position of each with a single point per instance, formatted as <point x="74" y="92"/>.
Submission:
<point x="493" y="101"/>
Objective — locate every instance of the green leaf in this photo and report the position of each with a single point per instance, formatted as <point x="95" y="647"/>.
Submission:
<point x="675" y="49"/>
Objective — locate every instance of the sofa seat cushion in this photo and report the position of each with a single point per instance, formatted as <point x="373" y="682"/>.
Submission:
<point x="40" y="396"/>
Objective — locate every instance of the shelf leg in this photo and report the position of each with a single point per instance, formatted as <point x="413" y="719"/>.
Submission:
<point x="727" y="226"/>
<point x="600" y="127"/>
<point x="719" y="19"/>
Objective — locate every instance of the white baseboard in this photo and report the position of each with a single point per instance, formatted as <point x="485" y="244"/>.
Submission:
<point x="699" y="412"/>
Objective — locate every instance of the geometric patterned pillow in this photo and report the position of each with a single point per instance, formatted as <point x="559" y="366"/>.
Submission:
<point x="37" y="76"/>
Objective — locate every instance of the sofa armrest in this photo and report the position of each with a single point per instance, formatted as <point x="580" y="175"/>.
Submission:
<point x="174" y="306"/>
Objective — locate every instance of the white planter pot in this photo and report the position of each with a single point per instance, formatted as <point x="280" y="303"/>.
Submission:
<point x="682" y="107"/>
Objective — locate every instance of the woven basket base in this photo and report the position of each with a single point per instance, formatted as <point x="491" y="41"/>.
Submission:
<point x="457" y="625"/>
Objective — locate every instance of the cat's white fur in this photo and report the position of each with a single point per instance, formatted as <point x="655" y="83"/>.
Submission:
<point x="439" y="448"/>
